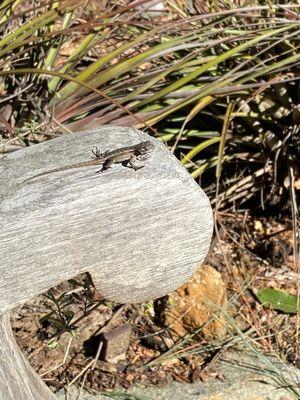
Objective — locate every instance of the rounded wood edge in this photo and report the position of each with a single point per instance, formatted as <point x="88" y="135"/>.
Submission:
<point x="17" y="379"/>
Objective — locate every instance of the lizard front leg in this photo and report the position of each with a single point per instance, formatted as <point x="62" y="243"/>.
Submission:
<point x="97" y="153"/>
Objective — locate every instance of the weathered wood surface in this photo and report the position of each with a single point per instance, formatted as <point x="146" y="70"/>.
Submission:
<point x="140" y="234"/>
<point x="18" y="381"/>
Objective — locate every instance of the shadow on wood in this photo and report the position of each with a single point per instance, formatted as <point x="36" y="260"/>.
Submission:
<point x="140" y="234"/>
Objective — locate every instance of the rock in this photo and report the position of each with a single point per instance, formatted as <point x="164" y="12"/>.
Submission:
<point x="115" y="343"/>
<point x="196" y="303"/>
<point x="246" y="377"/>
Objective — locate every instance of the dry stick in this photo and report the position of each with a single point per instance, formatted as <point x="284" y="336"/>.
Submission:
<point x="85" y="375"/>
<point x="64" y="359"/>
<point x="296" y="239"/>
<point x="81" y="373"/>
<point x="242" y="246"/>
<point x="241" y="183"/>
<point x="22" y="135"/>
<point x="5" y="99"/>
<point x="64" y="128"/>
<point x="225" y="127"/>
<point x="279" y="149"/>
<point x="246" y="194"/>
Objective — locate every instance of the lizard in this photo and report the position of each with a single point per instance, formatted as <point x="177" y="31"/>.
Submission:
<point x="126" y="155"/>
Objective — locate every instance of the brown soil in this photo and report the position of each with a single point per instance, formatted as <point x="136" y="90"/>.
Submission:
<point x="251" y="253"/>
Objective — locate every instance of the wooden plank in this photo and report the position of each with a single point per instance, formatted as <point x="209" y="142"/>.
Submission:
<point x="17" y="378"/>
<point x="140" y="234"/>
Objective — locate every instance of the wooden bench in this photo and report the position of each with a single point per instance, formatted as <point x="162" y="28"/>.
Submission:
<point x="140" y="234"/>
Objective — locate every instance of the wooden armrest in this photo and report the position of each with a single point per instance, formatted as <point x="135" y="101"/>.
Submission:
<point x="140" y="234"/>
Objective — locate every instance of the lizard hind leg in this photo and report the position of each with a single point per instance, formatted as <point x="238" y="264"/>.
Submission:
<point x="130" y="164"/>
<point x="133" y="163"/>
<point x="107" y="164"/>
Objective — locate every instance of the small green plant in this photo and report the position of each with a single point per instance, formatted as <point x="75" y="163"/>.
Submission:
<point x="278" y="300"/>
<point x="61" y="317"/>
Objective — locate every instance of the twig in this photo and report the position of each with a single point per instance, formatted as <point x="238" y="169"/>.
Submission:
<point x="63" y="361"/>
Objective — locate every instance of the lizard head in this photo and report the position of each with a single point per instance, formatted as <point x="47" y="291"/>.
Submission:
<point x="146" y="147"/>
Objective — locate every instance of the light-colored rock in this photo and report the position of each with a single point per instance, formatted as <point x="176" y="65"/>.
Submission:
<point x="197" y="304"/>
<point x="245" y="377"/>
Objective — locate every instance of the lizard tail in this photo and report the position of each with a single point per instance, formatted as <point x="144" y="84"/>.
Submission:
<point x="72" y="166"/>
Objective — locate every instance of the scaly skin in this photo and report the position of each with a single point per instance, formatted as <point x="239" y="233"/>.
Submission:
<point x="126" y="155"/>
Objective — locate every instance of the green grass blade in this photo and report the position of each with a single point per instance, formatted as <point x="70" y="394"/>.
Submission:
<point x="54" y="50"/>
<point x="7" y="9"/>
<point x="118" y="69"/>
<point x="82" y="49"/>
<point x="197" y="149"/>
<point x="22" y="71"/>
<point x="27" y="29"/>
<point x="217" y="60"/>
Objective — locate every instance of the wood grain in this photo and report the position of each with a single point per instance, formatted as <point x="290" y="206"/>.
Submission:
<point x="140" y="234"/>
<point x="18" y="381"/>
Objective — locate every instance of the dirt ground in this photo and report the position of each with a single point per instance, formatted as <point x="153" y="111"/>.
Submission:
<point x="177" y="337"/>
